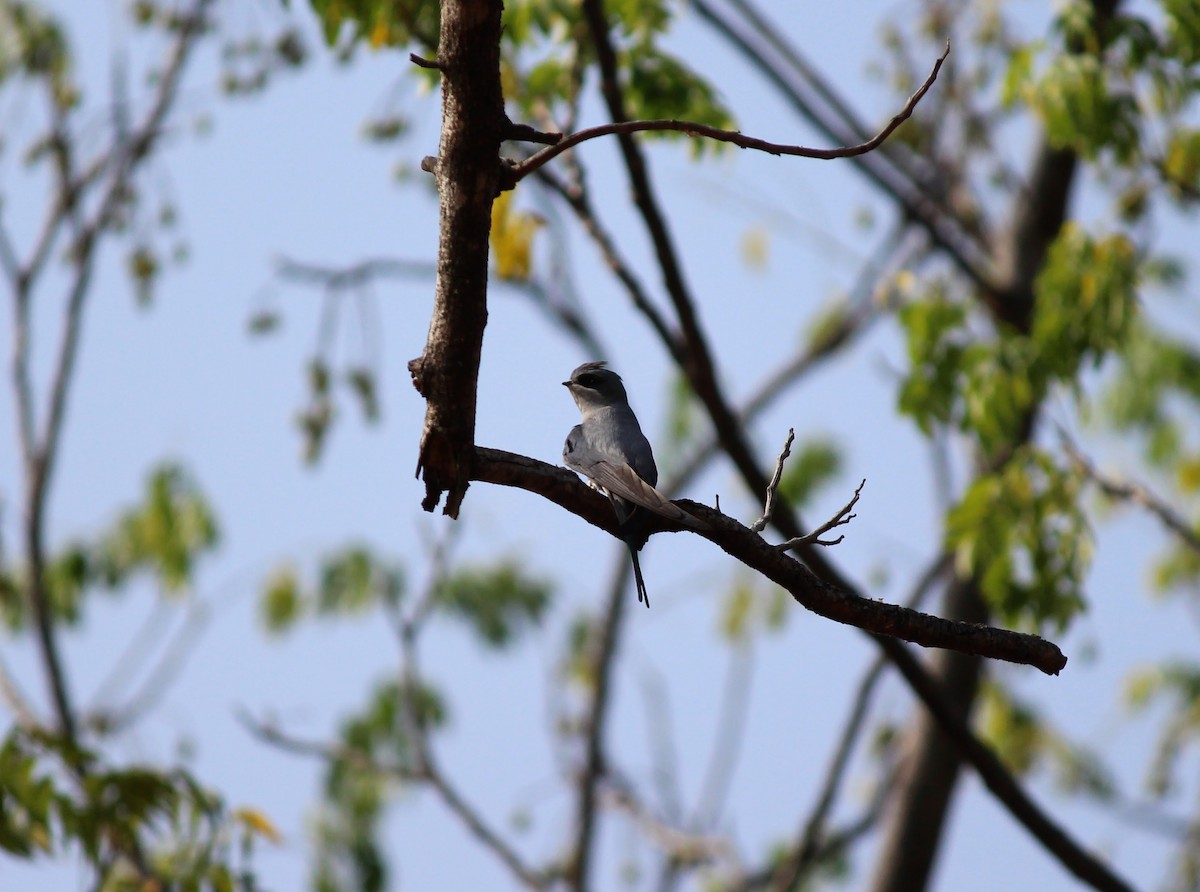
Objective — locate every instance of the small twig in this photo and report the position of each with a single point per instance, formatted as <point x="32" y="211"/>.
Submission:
<point x="426" y="773"/>
<point x="692" y="128"/>
<point x="356" y="275"/>
<point x="1132" y="492"/>
<point x="686" y="848"/>
<point x="814" y="538"/>
<point x="422" y="62"/>
<point x="769" y="507"/>
<point x="526" y="133"/>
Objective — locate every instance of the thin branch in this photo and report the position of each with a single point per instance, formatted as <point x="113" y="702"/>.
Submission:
<point x="731" y="725"/>
<point x="806" y="852"/>
<point x="915" y="195"/>
<point x="479" y="828"/>
<point x="356" y="275"/>
<point x="427" y="774"/>
<point x="16" y="701"/>
<point x="841" y="518"/>
<point x="160" y="678"/>
<point x="769" y="505"/>
<point x="522" y="169"/>
<point x="1132" y="492"/>
<point x="577" y="199"/>
<point x="682" y="846"/>
<point x="41" y="457"/>
<point x="595" y="723"/>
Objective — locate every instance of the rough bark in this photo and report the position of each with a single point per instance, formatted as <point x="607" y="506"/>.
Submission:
<point x="467" y="172"/>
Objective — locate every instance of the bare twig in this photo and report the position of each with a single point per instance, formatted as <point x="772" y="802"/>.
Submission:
<point x="427" y="773"/>
<point x="796" y="80"/>
<point x="624" y="128"/>
<point x="40" y="448"/>
<point x="1136" y="493"/>
<point x="814" y="538"/>
<point x="685" y="847"/>
<point x="769" y="506"/>
<point x="595" y="723"/>
<point x="731" y="728"/>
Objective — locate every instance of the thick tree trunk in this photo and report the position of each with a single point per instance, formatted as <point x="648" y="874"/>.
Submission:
<point x="923" y="795"/>
<point x="467" y="171"/>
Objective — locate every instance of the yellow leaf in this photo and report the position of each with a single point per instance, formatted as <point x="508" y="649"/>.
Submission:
<point x="257" y="822"/>
<point x="379" y="33"/>
<point x="1189" y="475"/>
<point x="754" y="247"/>
<point x="512" y="239"/>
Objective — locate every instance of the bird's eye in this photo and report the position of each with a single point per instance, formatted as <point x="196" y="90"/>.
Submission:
<point x="588" y="380"/>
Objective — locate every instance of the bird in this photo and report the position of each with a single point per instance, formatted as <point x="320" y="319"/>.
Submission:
<point x="610" y="450"/>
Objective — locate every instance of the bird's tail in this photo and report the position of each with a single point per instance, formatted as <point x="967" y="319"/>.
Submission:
<point x="643" y="595"/>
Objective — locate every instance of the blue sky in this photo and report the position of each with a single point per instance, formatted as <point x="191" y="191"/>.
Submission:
<point x="287" y="173"/>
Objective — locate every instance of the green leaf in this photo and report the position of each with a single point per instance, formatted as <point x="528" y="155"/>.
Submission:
<point x="498" y="603"/>
<point x="165" y="535"/>
<point x="934" y="329"/>
<point x="281" y="604"/>
<point x="1022" y="533"/>
<point x="1086" y="300"/>
<point x="1183" y="29"/>
<point x="378" y="23"/>
<point x="354" y="579"/>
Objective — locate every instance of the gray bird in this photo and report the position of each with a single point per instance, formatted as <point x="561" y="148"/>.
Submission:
<point x="610" y="450"/>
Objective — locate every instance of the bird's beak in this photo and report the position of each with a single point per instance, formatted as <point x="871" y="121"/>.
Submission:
<point x="566" y="384"/>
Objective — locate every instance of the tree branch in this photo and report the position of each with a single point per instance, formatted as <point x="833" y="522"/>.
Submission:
<point x="564" y="489"/>
<point x="446" y="373"/>
<point x="1132" y="492"/>
<point x="521" y="169"/>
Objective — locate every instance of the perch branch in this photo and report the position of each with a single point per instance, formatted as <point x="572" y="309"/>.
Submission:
<point x="564" y="488"/>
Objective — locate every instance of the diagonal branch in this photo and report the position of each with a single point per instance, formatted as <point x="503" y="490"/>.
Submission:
<point x="1126" y="491"/>
<point x="522" y="169"/>
<point x="564" y="489"/>
<point x="914" y="194"/>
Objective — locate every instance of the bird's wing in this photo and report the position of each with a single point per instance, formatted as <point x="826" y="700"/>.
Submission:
<point x="621" y="480"/>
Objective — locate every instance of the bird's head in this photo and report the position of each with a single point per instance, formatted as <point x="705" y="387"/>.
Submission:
<point x="595" y="387"/>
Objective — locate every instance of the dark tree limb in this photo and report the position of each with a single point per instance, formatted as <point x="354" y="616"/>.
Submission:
<point x="564" y="488"/>
<point x="446" y="373"/>
<point x="886" y="624"/>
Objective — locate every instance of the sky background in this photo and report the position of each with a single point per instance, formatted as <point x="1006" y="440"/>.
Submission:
<point x="288" y="173"/>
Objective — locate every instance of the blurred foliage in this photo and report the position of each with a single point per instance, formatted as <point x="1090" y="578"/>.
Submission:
<point x="184" y="835"/>
<point x="748" y="609"/>
<point x="1176" y="683"/>
<point x="380" y="748"/>
<point x="498" y="603"/>
<point x="163" y="538"/>
<point x="1026" y="741"/>
<point x="1023" y="534"/>
<point x="1122" y="98"/>
<point x="349" y="582"/>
